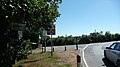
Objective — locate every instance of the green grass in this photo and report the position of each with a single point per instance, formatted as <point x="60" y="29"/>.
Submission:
<point x="41" y="60"/>
<point x="64" y="65"/>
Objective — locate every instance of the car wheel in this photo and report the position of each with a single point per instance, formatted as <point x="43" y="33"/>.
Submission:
<point x="105" y="55"/>
<point x="118" y="63"/>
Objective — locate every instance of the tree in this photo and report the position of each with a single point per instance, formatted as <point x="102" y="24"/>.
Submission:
<point x="108" y="36"/>
<point x="35" y="14"/>
<point x="117" y="36"/>
<point x="101" y="38"/>
<point x="93" y="36"/>
<point x="84" y="39"/>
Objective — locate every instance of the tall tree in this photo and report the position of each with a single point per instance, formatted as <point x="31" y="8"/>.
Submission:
<point x="35" y="14"/>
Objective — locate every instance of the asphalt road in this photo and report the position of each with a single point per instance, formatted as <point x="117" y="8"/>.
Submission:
<point x="68" y="47"/>
<point x="62" y="48"/>
<point x="94" y="55"/>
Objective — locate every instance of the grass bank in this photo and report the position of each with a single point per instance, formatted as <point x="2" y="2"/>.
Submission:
<point x="41" y="60"/>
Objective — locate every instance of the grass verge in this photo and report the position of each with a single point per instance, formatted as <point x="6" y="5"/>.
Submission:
<point x="41" y="60"/>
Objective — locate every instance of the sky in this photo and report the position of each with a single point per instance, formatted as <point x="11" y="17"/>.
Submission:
<point x="85" y="16"/>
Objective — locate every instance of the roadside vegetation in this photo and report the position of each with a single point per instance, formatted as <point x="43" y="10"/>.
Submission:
<point x="21" y="22"/>
<point x="41" y="60"/>
<point x="84" y="39"/>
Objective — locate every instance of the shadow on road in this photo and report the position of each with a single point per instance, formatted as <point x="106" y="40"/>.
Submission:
<point x="108" y="63"/>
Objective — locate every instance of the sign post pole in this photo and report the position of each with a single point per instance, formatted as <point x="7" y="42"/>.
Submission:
<point x="51" y="46"/>
<point x="45" y="45"/>
<point x="51" y="32"/>
<point x="45" y="37"/>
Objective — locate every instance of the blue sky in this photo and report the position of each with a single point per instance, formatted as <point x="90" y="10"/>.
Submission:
<point x="84" y="16"/>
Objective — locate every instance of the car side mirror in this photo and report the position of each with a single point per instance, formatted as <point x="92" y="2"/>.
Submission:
<point x="108" y="48"/>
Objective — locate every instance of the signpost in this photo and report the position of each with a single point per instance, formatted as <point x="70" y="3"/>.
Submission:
<point x="51" y="32"/>
<point x="45" y="37"/>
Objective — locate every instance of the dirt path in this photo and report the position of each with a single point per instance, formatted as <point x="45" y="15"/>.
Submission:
<point x="69" y="57"/>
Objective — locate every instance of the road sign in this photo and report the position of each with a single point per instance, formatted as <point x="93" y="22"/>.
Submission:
<point x="44" y="33"/>
<point x="17" y="26"/>
<point x="51" y="31"/>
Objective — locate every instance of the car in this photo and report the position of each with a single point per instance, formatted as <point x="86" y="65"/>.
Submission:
<point x="112" y="53"/>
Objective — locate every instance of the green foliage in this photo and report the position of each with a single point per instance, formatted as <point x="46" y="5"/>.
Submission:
<point x="35" y="14"/>
<point x="117" y="36"/>
<point x="14" y="51"/>
<point x="34" y="37"/>
<point x="100" y="38"/>
<point x="84" y="39"/>
<point x="59" y="41"/>
<point x="24" y="49"/>
<point x="70" y="40"/>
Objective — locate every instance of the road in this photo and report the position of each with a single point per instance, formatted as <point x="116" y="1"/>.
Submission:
<point x="62" y="48"/>
<point x="68" y="47"/>
<point x="94" y="55"/>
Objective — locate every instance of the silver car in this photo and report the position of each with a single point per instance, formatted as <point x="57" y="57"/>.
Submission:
<point x="113" y="53"/>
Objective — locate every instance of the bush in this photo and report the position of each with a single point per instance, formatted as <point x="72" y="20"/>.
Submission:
<point x="15" y="51"/>
<point x="25" y="49"/>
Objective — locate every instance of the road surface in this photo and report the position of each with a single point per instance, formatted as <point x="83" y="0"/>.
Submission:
<point x="62" y="48"/>
<point x="68" y="47"/>
<point x="94" y="55"/>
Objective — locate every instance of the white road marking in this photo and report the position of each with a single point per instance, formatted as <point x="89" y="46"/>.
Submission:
<point x="84" y="55"/>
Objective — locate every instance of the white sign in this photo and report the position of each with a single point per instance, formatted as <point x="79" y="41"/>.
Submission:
<point x="44" y="34"/>
<point x="20" y="34"/>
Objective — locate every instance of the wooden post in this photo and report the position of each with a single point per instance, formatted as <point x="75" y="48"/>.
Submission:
<point x="65" y="42"/>
<point x="78" y="60"/>
<point x="76" y="44"/>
